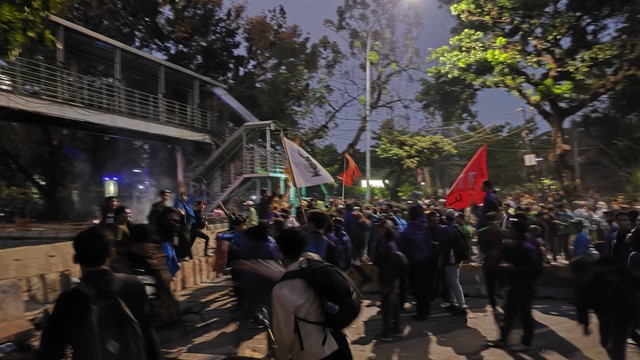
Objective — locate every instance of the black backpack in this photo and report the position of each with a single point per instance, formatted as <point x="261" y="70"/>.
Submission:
<point x="109" y="331"/>
<point x="339" y="296"/>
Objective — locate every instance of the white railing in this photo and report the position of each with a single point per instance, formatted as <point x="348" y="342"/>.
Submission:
<point x="102" y="93"/>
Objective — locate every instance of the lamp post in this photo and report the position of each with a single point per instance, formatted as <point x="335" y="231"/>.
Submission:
<point x="576" y="157"/>
<point x="367" y="116"/>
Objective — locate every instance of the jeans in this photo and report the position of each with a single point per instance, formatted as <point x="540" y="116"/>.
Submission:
<point x="390" y="310"/>
<point x="453" y="282"/>
<point x="518" y="304"/>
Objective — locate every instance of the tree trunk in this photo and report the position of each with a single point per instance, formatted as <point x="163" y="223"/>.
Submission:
<point x="563" y="168"/>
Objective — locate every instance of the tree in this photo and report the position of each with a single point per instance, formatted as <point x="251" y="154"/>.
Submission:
<point x="561" y="57"/>
<point x="22" y="22"/>
<point x="132" y="22"/>
<point x="274" y="74"/>
<point x="203" y="36"/>
<point x="405" y="150"/>
<point x="32" y="157"/>
<point x="391" y="31"/>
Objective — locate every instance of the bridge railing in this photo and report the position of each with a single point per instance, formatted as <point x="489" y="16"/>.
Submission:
<point x="40" y="80"/>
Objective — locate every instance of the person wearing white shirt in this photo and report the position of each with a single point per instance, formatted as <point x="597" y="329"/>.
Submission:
<point x="294" y="301"/>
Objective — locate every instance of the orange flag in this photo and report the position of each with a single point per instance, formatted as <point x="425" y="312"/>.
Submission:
<point x="467" y="188"/>
<point x="351" y="173"/>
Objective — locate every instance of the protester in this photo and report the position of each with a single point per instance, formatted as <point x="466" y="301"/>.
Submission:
<point x="392" y="269"/>
<point x="293" y="300"/>
<point x="525" y="265"/>
<point x="105" y="316"/>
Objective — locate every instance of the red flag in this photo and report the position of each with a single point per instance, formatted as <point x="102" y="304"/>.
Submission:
<point x="351" y="173"/>
<point x="467" y="188"/>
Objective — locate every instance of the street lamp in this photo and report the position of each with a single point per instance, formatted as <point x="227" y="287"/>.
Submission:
<point x="367" y="116"/>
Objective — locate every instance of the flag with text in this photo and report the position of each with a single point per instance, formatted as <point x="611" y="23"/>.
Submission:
<point x="467" y="188"/>
<point x="305" y="170"/>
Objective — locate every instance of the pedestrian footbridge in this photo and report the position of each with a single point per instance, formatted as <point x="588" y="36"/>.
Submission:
<point x="91" y="82"/>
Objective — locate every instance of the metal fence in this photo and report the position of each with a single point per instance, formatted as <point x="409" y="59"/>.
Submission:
<point x="37" y="79"/>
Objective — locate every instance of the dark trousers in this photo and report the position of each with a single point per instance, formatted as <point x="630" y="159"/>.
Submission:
<point x="419" y="282"/>
<point x="390" y="307"/>
<point x="563" y="242"/>
<point x="197" y="233"/>
<point x="518" y="304"/>
<point x="493" y="281"/>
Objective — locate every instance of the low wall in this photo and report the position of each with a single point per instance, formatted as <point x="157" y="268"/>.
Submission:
<point x="38" y="273"/>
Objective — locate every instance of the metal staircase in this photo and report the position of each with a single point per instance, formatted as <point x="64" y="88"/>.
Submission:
<point x="246" y="156"/>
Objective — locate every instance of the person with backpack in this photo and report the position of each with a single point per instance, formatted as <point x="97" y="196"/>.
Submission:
<point x="106" y="316"/>
<point x="306" y="322"/>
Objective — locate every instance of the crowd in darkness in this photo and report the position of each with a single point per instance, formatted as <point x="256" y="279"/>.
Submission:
<point x="416" y="248"/>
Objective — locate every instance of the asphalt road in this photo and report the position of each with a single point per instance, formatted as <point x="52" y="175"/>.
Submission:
<point x="208" y="332"/>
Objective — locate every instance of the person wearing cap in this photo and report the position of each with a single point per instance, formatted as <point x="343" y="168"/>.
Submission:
<point x="251" y="214"/>
<point x="156" y="209"/>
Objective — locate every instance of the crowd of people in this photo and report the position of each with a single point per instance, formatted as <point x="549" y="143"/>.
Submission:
<point x="417" y="249"/>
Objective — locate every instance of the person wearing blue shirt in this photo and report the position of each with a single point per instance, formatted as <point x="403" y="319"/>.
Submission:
<point x="582" y="241"/>
<point x="317" y="222"/>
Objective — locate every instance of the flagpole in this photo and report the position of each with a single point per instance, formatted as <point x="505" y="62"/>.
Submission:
<point x="293" y="175"/>
<point x="344" y="170"/>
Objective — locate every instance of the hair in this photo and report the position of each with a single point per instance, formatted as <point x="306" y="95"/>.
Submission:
<point x="202" y="202"/>
<point x="318" y="219"/>
<point x="415" y="212"/>
<point x="621" y="213"/>
<point x="292" y="243"/>
<point x="491" y="216"/>
<point x="119" y="210"/>
<point x="488" y="184"/>
<point x="92" y="247"/>
<point x="433" y="213"/>
<point x="519" y="226"/>
<point x="259" y="232"/>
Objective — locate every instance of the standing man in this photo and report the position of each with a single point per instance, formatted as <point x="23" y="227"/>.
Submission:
<point x="156" y="209"/>
<point x="491" y="203"/>
<point x="490" y="245"/>
<point x="454" y="252"/>
<point x="187" y="219"/>
<point x="264" y="205"/>
<point x="417" y="247"/>
<point x="251" y="213"/>
<point x="200" y="225"/>
<point x="294" y="299"/>
<point x="524" y="266"/>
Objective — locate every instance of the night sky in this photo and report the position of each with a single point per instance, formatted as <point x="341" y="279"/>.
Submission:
<point x="493" y="107"/>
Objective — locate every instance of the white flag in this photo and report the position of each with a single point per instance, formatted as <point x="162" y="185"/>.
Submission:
<point x="304" y="168"/>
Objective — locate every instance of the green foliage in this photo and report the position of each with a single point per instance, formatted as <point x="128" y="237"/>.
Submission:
<point x="559" y="56"/>
<point x="413" y="150"/>
<point x="132" y="22"/>
<point x="274" y="75"/>
<point x="203" y="36"/>
<point x="22" y="22"/>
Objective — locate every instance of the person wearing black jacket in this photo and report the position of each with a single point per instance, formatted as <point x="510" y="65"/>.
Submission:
<point x="392" y="269"/>
<point x="199" y="225"/>
<point x="454" y="252"/>
<point x="524" y="264"/>
<point x="74" y="307"/>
